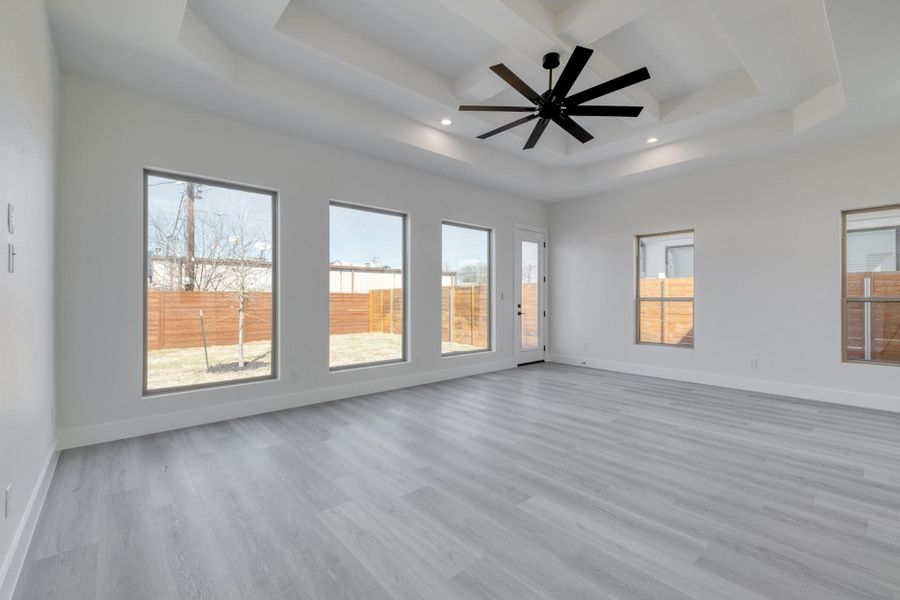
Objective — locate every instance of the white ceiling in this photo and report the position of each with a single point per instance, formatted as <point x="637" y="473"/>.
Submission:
<point x="729" y="78"/>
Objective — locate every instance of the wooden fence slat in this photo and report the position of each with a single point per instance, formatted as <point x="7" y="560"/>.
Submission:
<point x="176" y="315"/>
<point x="172" y="317"/>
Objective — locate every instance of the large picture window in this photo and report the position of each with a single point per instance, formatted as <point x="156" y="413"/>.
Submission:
<point x="367" y="279"/>
<point x="871" y="287"/>
<point x="465" y="289"/>
<point x="665" y="289"/>
<point x="209" y="306"/>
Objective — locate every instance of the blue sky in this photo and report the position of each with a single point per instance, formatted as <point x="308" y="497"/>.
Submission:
<point x="463" y="246"/>
<point x="164" y="203"/>
<point x="361" y="236"/>
<point x="357" y="236"/>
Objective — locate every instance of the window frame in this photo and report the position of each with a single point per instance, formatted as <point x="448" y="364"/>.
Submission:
<point x="405" y="278"/>
<point x="847" y="300"/>
<point x="490" y="282"/>
<point x="274" y="375"/>
<point x="637" y="289"/>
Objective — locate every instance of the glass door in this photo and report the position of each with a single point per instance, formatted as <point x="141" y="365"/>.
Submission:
<point x="530" y="295"/>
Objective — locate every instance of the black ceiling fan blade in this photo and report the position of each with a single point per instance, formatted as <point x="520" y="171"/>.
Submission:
<point x="475" y="107"/>
<point x="520" y="86"/>
<point x="573" y="128"/>
<point x="570" y="73"/>
<point x="536" y="134"/>
<point x="604" y="111"/>
<point x="515" y="123"/>
<point x="613" y="85"/>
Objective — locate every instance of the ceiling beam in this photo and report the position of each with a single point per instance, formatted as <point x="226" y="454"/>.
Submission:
<point x="208" y="49"/>
<point x="784" y="60"/>
<point x="427" y="20"/>
<point x="337" y="42"/>
<point x="529" y="29"/>
<point x="587" y="21"/>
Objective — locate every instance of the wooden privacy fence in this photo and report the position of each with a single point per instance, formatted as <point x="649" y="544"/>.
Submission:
<point x="366" y="312"/>
<point x="173" y="318"/>
<point x="386" y="311"/>
<point x="883" y="335"/>
<point x="530" y="318"/>
<point x="349" y="313"/>
<point x="669" y="318"/>
<point x="464" y="315"/>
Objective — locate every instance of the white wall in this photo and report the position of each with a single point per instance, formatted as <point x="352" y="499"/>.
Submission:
<point x="108" y="135"/>
<point x="767" y="267"/>
<point x="28" y="116"/>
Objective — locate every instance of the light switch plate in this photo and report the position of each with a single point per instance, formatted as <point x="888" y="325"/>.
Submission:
<point x="10" y="217"/>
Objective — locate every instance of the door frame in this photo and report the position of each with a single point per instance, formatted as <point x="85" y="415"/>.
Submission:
<point x="530" y="356"/>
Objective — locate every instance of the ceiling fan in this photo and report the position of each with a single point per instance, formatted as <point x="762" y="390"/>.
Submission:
<point x="553" y="105"/>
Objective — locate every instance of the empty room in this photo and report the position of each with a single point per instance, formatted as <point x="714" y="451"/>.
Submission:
<point x="450" y="299"/>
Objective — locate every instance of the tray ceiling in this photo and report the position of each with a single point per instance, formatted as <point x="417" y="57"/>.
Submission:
<point x="729" y="79"/>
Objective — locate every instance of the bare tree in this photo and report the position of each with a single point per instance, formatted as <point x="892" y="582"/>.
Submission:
<point x="165" y="243"/>
<point x="243" y="266"/>
<point x="208" y="251"/>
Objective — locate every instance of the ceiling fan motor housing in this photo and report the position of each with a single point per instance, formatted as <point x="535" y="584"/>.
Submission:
<point x="547" y="109"/>
<point x="551" y="60"/>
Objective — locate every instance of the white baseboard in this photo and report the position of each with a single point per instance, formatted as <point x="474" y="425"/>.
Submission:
<point x="116" y="430"/>
<point x="15" y="558"/>
<point x="765" y="386"/>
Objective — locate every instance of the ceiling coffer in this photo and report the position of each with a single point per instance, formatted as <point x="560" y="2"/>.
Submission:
<point x="554" y="105"/>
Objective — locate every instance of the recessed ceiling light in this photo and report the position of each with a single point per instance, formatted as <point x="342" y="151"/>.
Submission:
<point x="446" y="122"/>
<point x="652" y="140"/>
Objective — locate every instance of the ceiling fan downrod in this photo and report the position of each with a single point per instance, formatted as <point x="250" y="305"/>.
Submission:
<point x="551" y="61"/>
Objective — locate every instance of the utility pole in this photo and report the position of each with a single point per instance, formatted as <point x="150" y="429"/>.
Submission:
<point x="190" y="194"/>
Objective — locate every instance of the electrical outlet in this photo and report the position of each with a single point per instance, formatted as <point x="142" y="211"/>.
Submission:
<point x="584" y="347"/>
<point x="754" y="363"/>
<point x="295" y="374"/>
<point x="7" y="507"/>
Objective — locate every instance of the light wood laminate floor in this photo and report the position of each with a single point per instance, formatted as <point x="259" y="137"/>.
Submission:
<point x="544" y="482"/>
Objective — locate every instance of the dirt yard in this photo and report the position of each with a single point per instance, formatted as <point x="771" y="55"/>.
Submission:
<point x="353" y="348"/>
<point x="187" y="366"/>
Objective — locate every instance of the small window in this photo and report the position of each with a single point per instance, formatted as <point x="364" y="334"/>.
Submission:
<point x="367" y="282"/>
<point x="209" y="308"/>
<point x="871" y="289"/>
<point x="465" y="289"/>
<point x="665" y="289"/>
